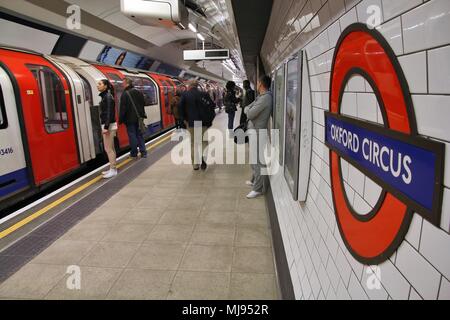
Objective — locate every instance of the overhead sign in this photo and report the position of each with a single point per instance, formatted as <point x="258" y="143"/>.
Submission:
<point x="409" y="168"/>
<point x="213" y="54"/>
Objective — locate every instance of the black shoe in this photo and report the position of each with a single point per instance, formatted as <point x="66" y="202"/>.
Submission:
<point x="204" y="165"/>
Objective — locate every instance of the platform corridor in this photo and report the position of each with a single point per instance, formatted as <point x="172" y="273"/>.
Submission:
<point x="170" y="234"/>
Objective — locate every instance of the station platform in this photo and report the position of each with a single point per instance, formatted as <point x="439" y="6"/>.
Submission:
<point x="156" y="231"/>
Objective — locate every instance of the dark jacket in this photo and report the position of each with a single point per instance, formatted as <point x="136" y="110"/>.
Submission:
<point x="127" y="113"/>
<point x="190" y="106"/>
<point x="248" y="98"/>
<point x="107" y="109"/>
<point x="230" y="101"/>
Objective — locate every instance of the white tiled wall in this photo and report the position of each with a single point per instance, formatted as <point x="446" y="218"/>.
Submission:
<point x="321" y="266"/>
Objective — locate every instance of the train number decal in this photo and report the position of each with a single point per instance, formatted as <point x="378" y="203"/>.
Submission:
<point x="407" y="167"/>
<point x="6" y="151"/>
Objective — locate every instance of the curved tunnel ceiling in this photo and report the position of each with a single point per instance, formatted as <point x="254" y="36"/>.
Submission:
<point x="103" y="21"/>
<point x="252" y="18"/>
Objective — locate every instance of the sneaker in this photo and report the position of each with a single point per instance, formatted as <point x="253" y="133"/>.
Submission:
<point x="111" y="173"/>
<point x="253" y="195"/>
<point x="249" y="183"/>
<point x="144" y="156"/>
<point x="196" y="167"/>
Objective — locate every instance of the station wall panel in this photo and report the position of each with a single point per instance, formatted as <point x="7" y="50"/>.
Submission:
<point x="321" y="266"/>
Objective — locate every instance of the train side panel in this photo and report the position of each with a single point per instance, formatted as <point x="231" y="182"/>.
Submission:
<point x="47" y="110"/>
<point x="14" y="176"/>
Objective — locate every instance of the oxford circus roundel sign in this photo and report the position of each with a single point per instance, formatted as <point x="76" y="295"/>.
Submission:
<point x="409" y="168"/>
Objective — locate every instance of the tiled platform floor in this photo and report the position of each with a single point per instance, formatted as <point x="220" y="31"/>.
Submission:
<point x="170" y="234"/>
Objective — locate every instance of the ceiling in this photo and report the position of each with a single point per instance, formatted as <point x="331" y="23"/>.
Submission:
<point x="103" y="21"/>
<point x="252" y="18"/>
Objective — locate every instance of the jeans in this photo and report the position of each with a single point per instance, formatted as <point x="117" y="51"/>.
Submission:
<point x="136" y="140"/>
<point x="231" y="116"/>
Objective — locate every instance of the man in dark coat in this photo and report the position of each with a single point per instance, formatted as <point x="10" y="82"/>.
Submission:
<point x="133" y="100"/>
<point x="191" y="115"/>
<point x="247" y="99"/>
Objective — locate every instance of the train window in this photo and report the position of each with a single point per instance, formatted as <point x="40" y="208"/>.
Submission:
<point x="87" y="91"/>
<point x="117" y="83"/>
<point x="3" y="120"/>
<point x="148" y="89"/>
<point x="53" y="98"/>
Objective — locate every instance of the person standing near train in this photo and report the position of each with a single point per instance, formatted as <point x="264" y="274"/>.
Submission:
<point x="109" y="124"/>
<point x="247" y="98"/>
<point x="230" y="101"/>
<point x="132" y="107"/>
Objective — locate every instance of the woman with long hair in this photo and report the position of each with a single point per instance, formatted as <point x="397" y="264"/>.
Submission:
<point x="109" y="124"/>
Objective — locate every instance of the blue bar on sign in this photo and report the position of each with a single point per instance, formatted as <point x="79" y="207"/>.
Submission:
<point x="400" y="165"/>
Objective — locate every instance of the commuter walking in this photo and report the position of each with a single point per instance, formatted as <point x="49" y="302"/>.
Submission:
<point x="247" y="98"/>
<point x="175" y="109"/>
<point x="132" y="110"/>
<point x="230" y="101"/>
<point x="109" y="124"/>
<point x="192" y="113"/>
<point x="258" y="114"/>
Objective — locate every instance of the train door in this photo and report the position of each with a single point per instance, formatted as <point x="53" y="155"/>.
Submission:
<point x="49" y="121"/>
<point x="170" y="95"/>
<point x="82" y="115"/>
<point x="13" y="170"/>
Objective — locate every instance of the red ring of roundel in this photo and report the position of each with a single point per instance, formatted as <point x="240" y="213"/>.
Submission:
<point x="373" y="241"/>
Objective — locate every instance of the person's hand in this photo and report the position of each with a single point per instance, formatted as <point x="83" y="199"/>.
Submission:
<point x="104" y="131"/>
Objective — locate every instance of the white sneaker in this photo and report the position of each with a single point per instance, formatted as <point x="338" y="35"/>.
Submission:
<point x="253" y="195"/>
<point x="110" y="174"/>
<point x="249" y="183"/>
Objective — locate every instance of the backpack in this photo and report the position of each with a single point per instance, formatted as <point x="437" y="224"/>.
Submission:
<point x="207" y="109"/>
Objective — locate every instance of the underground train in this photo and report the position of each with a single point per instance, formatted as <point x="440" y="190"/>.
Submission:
<point x="49" y="117"/>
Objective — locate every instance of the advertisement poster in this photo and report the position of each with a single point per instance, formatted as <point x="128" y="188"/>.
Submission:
<point x="292" y="114"/>
<point x="279" y="107"/>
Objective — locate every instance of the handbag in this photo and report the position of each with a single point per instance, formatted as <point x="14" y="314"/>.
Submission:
<point x="142" y="126"/>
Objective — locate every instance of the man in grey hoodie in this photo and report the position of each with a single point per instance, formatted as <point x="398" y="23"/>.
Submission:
<point x="258" y="114"/>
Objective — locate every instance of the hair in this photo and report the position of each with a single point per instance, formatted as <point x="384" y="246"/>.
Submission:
<point x="246" y="84"/>
<point x="108" y="85"/>
<point x="129" y="82"/>
<point x="230" y="85"/>
<point x="266" y="81"/>
<point x="193" y="84"/>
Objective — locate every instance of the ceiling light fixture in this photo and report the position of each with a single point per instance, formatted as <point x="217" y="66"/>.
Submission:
<point x="200" y="36"/>
<point x="192" y="28"/>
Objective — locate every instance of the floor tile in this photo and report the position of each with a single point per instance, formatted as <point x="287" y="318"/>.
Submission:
<point x="253" y="260"/>
<point x="142" y="285"/>
<point x="248" y="235"/>
<point x="158" y="256"/>
<point x="207" y="258"/>
<point x="65" y="252"/>
<point x="200" y="286"/>
<point x="95" y="284"/>
<point x="247" y="286"/>
<point x="110" y="254"/>
<point x="213" y="234"/>
<point x="33" y="281"/>
<point x="171" y="233"/>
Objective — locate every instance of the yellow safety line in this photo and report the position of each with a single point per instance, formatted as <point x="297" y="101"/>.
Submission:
<point x="61" y="200"/>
